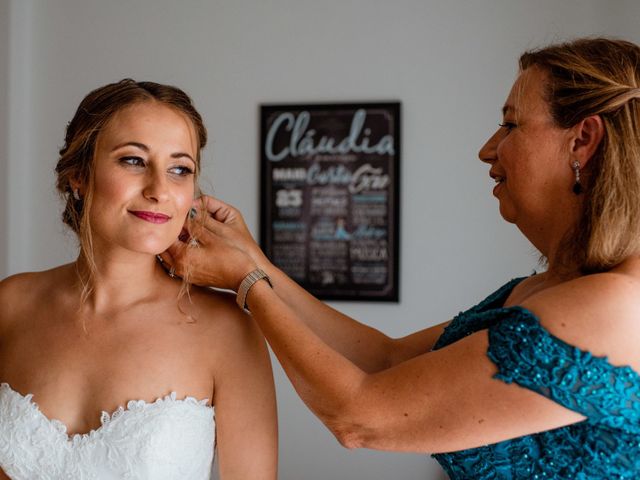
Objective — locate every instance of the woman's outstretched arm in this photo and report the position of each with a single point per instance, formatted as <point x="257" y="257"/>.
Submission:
<point x="368" y="348"/>
<point x="431" y="402"/>
<point x="371" y="350"/>
<point x="439" y="401"/>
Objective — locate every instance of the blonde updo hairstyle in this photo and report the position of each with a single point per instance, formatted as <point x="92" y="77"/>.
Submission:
<point x="599" y="76"/>
<point x="75" y="165"/>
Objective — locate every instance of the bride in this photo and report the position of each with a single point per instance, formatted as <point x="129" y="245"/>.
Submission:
<point x="110" y="368"/>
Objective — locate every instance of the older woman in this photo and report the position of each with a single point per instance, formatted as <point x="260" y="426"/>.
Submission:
<point x="109" y="368"/>
<point x="540" y="379"/>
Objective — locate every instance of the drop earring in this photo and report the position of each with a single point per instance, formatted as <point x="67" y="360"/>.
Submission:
<point x="577" y="186"/>
<point x="76" y="194"/>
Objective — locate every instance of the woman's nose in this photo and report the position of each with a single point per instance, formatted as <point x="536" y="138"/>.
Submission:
<point x="488" y="151"/>
<point x="156" y="187"/>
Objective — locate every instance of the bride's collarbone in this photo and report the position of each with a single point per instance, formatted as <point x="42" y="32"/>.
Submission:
<point x="75" y="390"/>
<point x="75" y="377"/>
<point x="78" y="366"/>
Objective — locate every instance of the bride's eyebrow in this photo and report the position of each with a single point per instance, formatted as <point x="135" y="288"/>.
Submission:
<point x="146" y="149"/>
<point x="139" y="145"/>
<point x="183" y="155"/>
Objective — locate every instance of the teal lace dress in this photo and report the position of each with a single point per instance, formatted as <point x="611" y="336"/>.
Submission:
<point x="604" y="446"/>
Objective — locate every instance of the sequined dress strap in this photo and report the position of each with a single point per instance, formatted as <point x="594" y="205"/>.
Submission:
<point x="528" y="355"/>
<point x="604" y="446"/>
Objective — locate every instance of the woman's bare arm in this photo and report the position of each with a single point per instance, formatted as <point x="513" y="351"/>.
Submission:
<point x="447" y="399"/>
<point x="368" y="348"/>
<point x="244" y="400"/>
<point x="431" y="402"/>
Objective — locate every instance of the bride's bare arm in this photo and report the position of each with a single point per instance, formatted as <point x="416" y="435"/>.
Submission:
<point x="244" y="400"/>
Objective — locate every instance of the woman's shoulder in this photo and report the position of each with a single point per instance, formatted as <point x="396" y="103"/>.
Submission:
<point x="218" y="312"/>
<point x="616" y="292"/>
<point x="215" y="305"/>
<point x="599" y="313"/>
<point x="25" y="291"/>
<point x="230" y="338"/>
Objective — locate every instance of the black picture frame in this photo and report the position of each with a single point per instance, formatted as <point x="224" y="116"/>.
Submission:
<point x="330" y="197"/>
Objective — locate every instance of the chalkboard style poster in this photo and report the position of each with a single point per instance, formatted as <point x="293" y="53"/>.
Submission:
<point x="330" y="197"/>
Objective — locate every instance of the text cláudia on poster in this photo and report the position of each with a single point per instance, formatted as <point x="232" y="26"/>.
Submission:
<point x="330" y="180"/>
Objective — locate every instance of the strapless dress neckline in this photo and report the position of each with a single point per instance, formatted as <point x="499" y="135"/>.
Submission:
<point x="105" y="417"/>
<point x="164" y="439"/>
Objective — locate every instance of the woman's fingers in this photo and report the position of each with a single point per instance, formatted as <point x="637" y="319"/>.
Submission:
<point x="186" y="260"/>
<point x="216" y="209"/>
<point x="172" y="258"/>
<point x="215" y="247"/>
<point x="219" y="219"/>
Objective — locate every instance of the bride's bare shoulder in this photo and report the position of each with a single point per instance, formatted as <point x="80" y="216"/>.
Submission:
<point x="219" y="315"/>
<point x="215" y="305"/>
<point x="23" y="291"/>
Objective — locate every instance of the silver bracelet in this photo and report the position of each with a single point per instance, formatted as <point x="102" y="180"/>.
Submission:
<point x="248" y="282"/>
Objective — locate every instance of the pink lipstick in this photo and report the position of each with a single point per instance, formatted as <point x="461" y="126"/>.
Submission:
<point x="151" y="217"/>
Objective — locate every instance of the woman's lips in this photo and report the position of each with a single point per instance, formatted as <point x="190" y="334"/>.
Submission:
<point x="499" y="179"/>
<point x="151" y="217"/>
<point x="497" y="188"/>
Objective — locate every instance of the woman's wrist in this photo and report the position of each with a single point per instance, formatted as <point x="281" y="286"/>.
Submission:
<point x="245" y="268"/>
<point x="261" y="260"/>
<point x="247" y="284"/>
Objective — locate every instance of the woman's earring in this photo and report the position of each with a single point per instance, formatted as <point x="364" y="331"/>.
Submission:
<point x="577" y="186"/>
<point x="76" y="194"/>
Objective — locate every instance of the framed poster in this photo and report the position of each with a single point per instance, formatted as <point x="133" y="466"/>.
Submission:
<point x="330" y="197"/>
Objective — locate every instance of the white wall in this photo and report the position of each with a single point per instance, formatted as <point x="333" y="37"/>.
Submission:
<point x="23" y="193"/>
<point x="4" y="118"/>
<point x="450" y="62"/>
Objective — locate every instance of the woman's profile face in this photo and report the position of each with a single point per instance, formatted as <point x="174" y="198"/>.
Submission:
<point x="529" y="153"/>
<point x="144" y="178"/>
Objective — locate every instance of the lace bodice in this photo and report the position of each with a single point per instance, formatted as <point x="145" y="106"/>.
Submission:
<point x="604" y="446"/>
<point x="166" y="439"/>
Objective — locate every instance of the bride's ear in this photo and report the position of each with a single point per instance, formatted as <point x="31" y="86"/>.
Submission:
<point x="76" y="192"/>
<point x="587" y="136"/>
<point x="76" y="185"/>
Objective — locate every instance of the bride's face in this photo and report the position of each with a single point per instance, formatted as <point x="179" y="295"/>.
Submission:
<point x="144" y="178"/>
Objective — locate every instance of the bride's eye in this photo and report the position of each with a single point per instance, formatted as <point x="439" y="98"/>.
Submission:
<point x="132" y="161"/>
<point x="181" y="170"/>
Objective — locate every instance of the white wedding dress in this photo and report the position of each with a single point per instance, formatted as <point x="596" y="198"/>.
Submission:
<point x="167" y="439"/>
